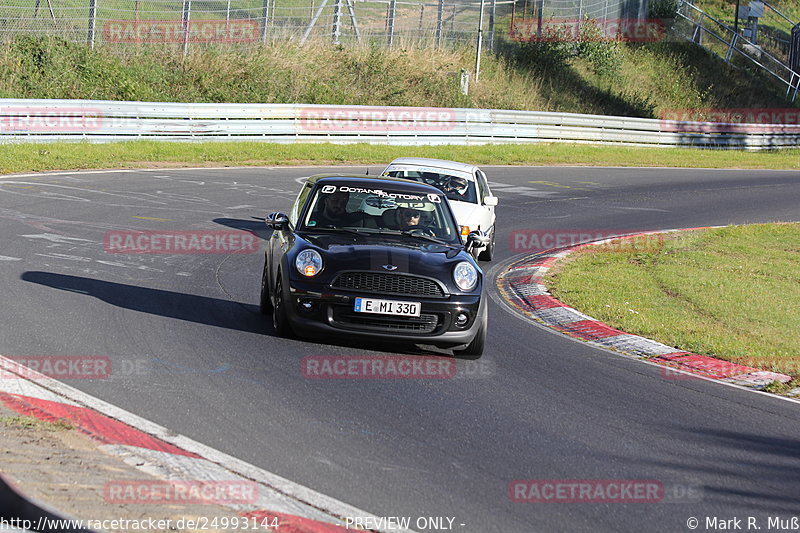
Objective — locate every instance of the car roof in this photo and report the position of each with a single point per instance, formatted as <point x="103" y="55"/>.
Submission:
<point x="436" y="163"/>
<point x="401" y="184"/>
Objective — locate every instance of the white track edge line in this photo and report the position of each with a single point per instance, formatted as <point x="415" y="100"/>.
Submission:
<point x="492" y="273"/>
<point x="294" y="490"/>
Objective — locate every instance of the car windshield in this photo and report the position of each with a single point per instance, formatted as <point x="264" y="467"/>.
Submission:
<point x="381" y="209"/>
<point x="455" y="185"/>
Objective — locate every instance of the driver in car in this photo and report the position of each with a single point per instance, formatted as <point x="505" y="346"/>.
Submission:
<point x="402" y="218"/>
<point x="408" y="217"/>
<point x="455" y="187"/>
<point x="334" y="212"/>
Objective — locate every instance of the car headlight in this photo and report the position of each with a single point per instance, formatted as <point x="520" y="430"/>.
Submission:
<point x="308" y="263"/>
<point x="465" y="275"/>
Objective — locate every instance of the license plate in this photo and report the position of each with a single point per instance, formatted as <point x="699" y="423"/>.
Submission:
<point x="386" y="307"/>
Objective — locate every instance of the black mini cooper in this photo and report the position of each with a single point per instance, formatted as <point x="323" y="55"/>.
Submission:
<point x="378" y="259"/>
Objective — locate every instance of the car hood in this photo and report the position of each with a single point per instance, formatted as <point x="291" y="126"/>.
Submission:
<point x="466" y="213"/>
<point x="407" y="255"/>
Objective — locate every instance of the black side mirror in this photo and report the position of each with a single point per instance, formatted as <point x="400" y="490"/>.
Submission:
<point x="277" y="221"/>
<point x="476" y="240"/>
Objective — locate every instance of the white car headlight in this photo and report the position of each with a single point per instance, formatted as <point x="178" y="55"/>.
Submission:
<point x="465" y="275"/>
<point x="308" y="263"/>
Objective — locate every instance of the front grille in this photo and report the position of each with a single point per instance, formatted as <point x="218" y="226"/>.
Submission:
<point x="422" y="324"/>
<point x="380" y="283"/>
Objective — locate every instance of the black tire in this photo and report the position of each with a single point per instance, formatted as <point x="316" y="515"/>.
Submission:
<point x="266" y="303"/>
<point x="486" y="254"/>
<point x="280" y="322"/>
<point x="475" y="348"/>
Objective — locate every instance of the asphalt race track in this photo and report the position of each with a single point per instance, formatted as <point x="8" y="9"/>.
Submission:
<point x="190" y="351"/>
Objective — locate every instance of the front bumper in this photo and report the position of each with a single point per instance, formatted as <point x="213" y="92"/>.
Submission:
<point x="314" y="311"/>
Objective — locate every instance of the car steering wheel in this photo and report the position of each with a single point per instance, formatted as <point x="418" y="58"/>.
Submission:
<point x="426" y="230"/>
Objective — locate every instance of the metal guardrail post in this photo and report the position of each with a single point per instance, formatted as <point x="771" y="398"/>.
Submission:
<point x="92" y="22"/>
<point x="439" y="17"/>
<point x="187" y="9"/>
<point x="390" y="22"/>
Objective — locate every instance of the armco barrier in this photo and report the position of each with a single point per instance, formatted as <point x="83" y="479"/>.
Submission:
<point x="107" y="121"/>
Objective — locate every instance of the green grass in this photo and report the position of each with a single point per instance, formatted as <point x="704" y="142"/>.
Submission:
<point x="730" y="293"/>
<point x="28" y="422"/>
<point x="138" y="154"/>
<point x="600" y="78"/>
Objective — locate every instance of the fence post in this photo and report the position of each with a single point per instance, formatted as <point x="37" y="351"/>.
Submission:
<point x="390" y="21"/>
<point x="439" y="16"/>
<point x="480" y="43"/>
<point x="337" y="21"/>
<point x="187" y="9"/>
<point x="491" y="25"/>
<point x="92" y="22"/>
<point x="264" y="20"/>
<point x="539" y="9"/>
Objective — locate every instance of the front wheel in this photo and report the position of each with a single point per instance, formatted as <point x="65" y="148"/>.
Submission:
<point x="266" y="304"/>
<point x="475" y="348"/>
<point x="280" y="322"/>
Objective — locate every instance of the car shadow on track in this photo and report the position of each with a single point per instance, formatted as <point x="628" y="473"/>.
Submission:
<point x="192" y="308"/>
<point x="200" y="309"/>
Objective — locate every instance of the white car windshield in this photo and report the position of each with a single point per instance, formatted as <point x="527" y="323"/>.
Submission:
<point x="380" y="209"/>
<point x="455" y="187"/>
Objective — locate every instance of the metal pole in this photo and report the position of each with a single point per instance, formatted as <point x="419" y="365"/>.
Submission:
<point x="736" y="18"/>
<point x="313" y="21"/>
<point x="480" y="42"/>
<point x="390" y="21"/>
<point x="421" y="19"/>
<point x="264" y="18"/>
<point x="227" y="16"/>
<point x="491" y="25"/>
<point x="337" y="21"/>
<point x="540" y="8"/>
<point x="351" y="8"/>
<point x="92" y="22"/>
<point x="439" y="16"/>
<point x="187" y="9"/>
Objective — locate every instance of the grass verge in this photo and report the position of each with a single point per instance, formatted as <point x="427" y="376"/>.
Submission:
<point x="28" y="422"/>
<point x="139" y="154"/>
<point x="730" y="293"/>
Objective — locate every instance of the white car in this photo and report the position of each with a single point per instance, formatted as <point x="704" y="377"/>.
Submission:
<point x="466" y="188"/>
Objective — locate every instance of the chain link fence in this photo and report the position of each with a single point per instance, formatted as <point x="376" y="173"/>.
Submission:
<point x="187" y="23"/>
<point x="195" y="22"/>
